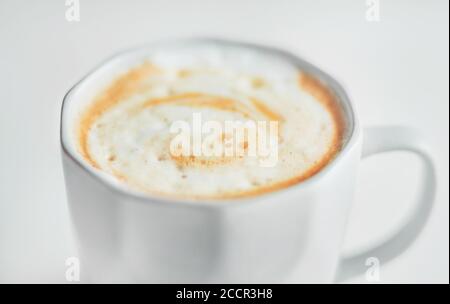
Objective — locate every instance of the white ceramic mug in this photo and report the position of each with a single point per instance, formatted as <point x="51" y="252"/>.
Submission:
<point x="124" y="236"/>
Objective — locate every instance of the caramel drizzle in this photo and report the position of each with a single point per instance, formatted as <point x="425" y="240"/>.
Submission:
<point x="122" y="88"/>
<point x="200" y="100"/>
<point x="320" y="92"/>
<point x="265" y="110"/>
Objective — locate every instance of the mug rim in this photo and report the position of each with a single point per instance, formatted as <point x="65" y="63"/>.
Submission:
<point x="120" y="188"/>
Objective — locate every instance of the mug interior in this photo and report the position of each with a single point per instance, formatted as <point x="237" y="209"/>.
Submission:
<point x="83" y="92"/>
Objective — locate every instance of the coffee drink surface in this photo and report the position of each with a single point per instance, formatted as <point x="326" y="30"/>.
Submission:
<point x="127" y="130"/>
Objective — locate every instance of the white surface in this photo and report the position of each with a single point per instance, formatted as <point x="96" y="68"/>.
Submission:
<point x="396" y="71"/>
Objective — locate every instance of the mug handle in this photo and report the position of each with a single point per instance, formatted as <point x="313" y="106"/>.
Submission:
<point x="384" y="139"/>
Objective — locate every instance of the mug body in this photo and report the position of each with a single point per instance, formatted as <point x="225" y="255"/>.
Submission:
<point x="290" y="235"/>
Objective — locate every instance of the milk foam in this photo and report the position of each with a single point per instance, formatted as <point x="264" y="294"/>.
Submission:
<point x="125" y="131"/>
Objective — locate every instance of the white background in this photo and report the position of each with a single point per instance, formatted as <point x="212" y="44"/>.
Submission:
<point x="395" y="70"/>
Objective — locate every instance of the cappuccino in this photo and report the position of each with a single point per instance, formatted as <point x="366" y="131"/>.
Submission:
<point x="129" y="129"/>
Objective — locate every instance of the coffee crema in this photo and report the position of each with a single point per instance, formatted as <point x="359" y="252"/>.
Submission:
<point x="125" y="130"/>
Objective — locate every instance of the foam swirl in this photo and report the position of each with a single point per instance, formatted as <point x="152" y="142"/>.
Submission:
<point x="125" y="130"/>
